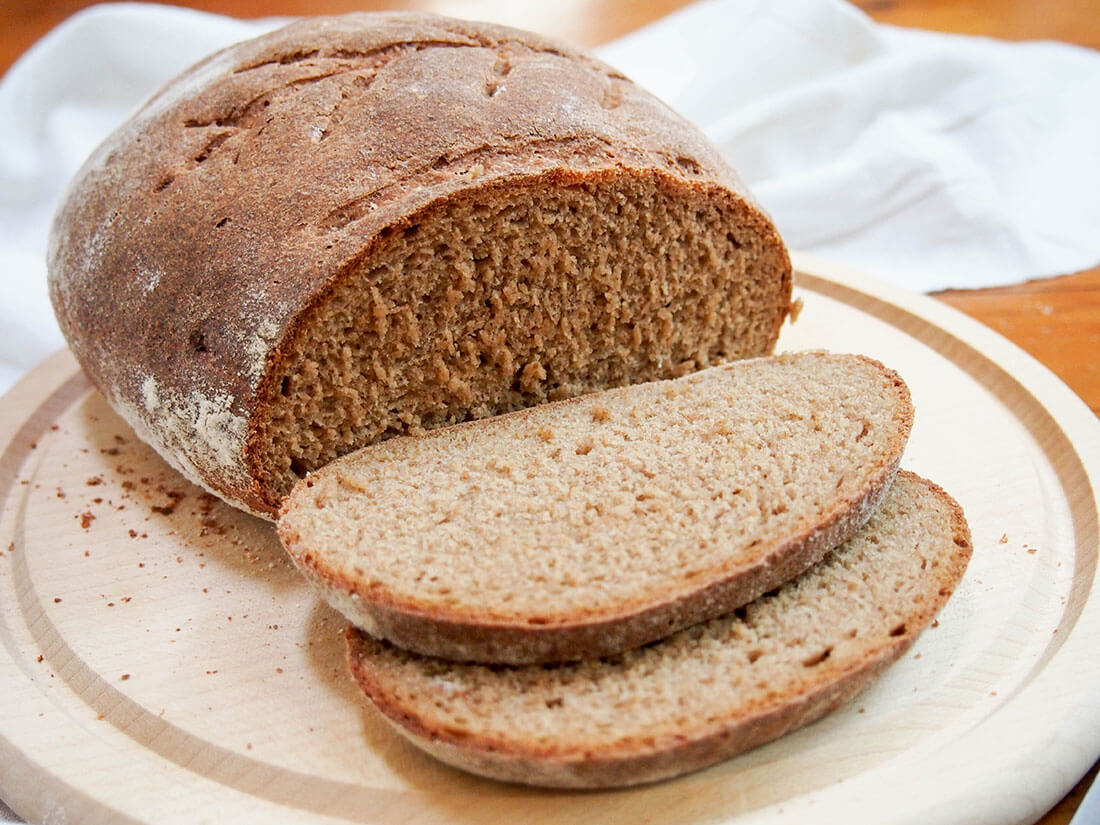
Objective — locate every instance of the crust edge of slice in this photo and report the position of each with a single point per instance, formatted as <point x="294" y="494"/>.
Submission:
<point x="458" y="636"/>
<point x="582" y="766"/>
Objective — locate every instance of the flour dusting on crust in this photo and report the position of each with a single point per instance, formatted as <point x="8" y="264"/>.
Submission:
<point x="149" y="394"/>
<point x="205" y="436"/>
<point x="258" y="345"/>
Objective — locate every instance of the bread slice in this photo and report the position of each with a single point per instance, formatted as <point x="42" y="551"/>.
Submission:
<point x="601" y="523"/>
<point x="706" y="693"/>
<point x="374" y="224"/>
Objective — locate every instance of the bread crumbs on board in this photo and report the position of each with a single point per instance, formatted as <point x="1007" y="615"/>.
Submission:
<point x="796" y="309"/>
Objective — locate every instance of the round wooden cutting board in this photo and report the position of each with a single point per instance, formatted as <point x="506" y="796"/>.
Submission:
<point x="161" y="661"/>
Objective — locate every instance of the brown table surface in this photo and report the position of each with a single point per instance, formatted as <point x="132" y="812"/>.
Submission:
<point x="1056" y="319"/>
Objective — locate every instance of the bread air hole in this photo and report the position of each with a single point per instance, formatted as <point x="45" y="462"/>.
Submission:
<point x="197" y="340"/>
<point x="863" y="432"/>
<point x="817" y="658"/>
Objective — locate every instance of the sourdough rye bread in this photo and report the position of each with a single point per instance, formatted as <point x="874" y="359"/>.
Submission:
<point x="375" y="224"/>
<point x="700" y="696"/>
<point x="592" y="525"/>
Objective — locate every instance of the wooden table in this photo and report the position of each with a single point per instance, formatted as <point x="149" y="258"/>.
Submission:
<point x="1057" y="319"/>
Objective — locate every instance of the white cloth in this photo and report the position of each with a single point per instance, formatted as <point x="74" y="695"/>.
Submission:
<point x="928" y="159"/>
<point x="57" y="103"/>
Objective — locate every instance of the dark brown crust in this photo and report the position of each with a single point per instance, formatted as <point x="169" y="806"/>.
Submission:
<point x="586" y="766"/>
<point x="189" y="251"/>
<point x="588" y="769"/>
<point x="461" y="636"/>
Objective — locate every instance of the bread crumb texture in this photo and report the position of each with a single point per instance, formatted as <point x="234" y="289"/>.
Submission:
<point x="703" y="694"/>
<point x="504" y="303"/>
<point x="369" y="225"/>
<point x="605" y="504"/>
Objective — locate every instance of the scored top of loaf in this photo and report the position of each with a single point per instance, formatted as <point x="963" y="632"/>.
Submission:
<point x="197" y="237"/>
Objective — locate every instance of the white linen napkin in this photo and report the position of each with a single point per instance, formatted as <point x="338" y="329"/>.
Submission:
<point x="57" y="103"/>
<point x="931" y="160"/>
<point x="927" y="159"/>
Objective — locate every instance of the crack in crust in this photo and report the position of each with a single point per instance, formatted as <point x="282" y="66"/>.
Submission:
<point x="391" y="50"/>
<point x="479" y="161"/>
<point x="369" y="63"/>
<point x="245" y="116"/>
<point x="464" y="163"/>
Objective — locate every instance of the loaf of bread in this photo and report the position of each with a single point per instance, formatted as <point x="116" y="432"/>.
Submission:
<point x="700" y="696"/>
<point x="592" y="525"/>
<point x="370" y="225"/>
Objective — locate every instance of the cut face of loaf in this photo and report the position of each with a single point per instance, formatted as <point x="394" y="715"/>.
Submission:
<point x="593" y="525"/>
<point x="370" y="225"/>
<point x="523" y="296"/>
<point x="705" y="694"/>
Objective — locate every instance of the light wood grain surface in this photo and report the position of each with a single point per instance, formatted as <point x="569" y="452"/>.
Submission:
<point x="1057" y="319"/>
<point x="161" y="659"/>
